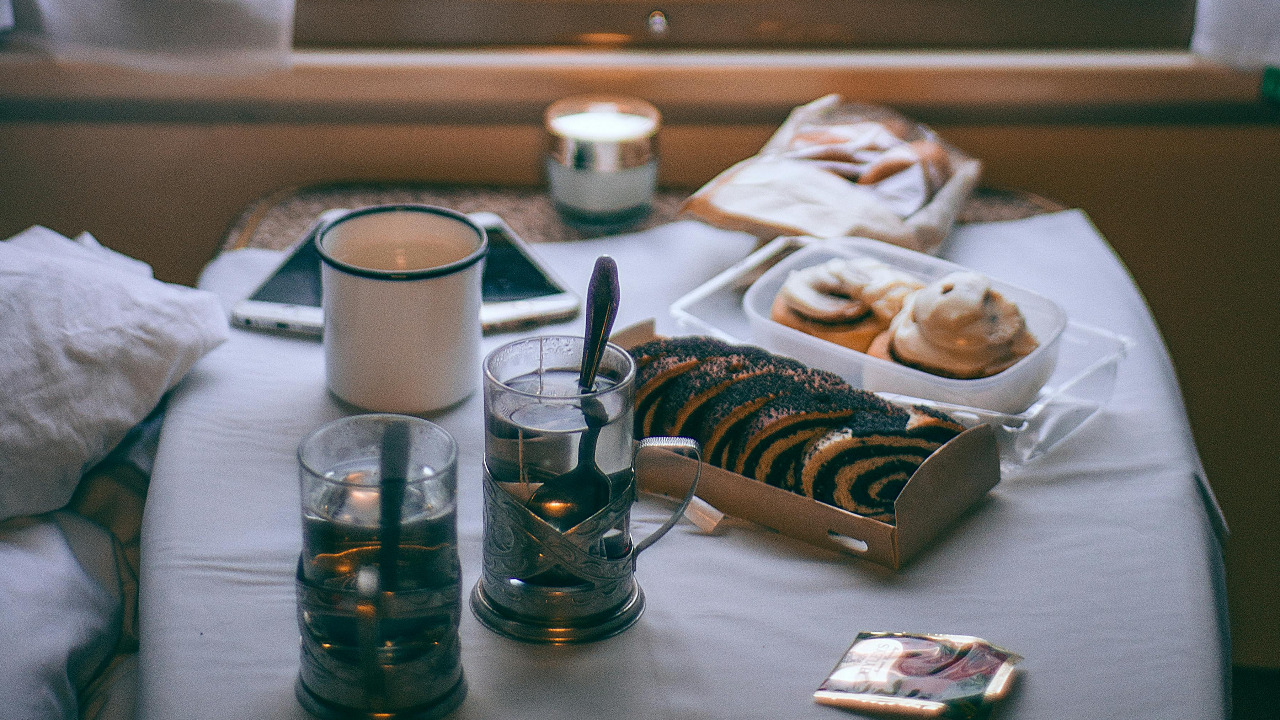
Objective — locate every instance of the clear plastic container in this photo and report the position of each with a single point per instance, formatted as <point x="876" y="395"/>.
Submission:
<point x="1082" y="382"/>
<point x="1010" y="391"/>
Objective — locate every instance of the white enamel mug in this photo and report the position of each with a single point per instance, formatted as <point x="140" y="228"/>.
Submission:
<point x="401" y="298"/>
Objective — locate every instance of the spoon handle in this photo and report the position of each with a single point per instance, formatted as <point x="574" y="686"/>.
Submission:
<point x="394" y="471"/>
<point x="602" y="308"/>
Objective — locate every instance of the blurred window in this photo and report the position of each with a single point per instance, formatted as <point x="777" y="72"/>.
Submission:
<point x="748" y="24"/>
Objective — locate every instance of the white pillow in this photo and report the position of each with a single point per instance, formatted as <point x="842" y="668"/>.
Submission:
<point x="89" y="343"/>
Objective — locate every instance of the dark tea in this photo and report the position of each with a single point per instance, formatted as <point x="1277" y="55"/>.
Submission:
<point x="340" y="534"/>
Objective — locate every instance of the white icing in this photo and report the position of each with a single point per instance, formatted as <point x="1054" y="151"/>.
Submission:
<point x="961" y="325"/>
<point x="882" y="287"/>
<point x="842" y="290"/>
<point x="818" y="293"/>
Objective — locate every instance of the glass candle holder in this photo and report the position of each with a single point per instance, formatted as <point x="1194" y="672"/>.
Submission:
<point x="603" y="164"/>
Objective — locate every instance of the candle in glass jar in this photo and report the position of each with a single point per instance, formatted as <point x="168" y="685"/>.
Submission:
<point x="603" y="166"/>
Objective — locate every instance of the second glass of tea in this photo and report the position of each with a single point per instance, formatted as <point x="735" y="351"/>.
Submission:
<point x="379" y="578"/>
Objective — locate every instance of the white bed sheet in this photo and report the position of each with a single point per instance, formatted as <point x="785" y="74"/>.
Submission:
<point x="1099" y="562"/>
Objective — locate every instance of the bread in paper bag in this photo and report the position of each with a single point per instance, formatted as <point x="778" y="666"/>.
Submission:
<point x="836" y="169"/>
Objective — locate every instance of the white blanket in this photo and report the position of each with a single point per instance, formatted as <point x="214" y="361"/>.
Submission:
<point x="1098" y="563"/>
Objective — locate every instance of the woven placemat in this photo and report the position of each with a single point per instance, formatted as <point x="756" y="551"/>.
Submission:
<point x="276" y="220"/>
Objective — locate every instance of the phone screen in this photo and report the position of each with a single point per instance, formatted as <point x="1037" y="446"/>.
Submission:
<point x="297" y="281"/>
<point x="508" y="275"/>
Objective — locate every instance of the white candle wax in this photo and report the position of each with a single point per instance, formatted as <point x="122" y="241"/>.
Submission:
<point x="603" y="126"/>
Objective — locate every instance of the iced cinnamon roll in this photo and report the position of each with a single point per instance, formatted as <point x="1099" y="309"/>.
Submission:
<point x="844" y="301"/>
<point x="957" y="327"/>
<point x="881" y="287"/>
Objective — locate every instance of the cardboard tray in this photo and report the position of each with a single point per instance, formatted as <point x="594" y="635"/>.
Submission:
<point x="943" y="488"/>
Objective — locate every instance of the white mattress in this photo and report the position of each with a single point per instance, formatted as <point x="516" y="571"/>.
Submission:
<point x="1098" y="562"/>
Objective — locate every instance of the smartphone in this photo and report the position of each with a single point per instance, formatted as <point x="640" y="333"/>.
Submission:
<point x="518" y="290"/>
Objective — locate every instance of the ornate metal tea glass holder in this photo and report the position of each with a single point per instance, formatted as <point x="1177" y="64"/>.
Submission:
<point x="559" y="565"/>
<point x="542" y="585"/>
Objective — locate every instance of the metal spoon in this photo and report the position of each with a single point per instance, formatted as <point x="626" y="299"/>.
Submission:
<point x="602" y="308"/>
<point x="568" y="499"/>
<point x="394" y="473"/>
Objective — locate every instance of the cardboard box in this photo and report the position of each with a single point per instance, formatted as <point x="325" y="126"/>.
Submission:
<point x="941" y="490"/>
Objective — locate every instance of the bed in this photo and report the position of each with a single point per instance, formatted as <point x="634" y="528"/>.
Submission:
<point x="1099" y="562"/>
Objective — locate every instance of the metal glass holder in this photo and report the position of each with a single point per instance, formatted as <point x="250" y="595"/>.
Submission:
<point x="541" y="585"/>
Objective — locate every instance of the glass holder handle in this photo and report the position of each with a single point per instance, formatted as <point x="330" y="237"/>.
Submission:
<point x="684" y="446"/>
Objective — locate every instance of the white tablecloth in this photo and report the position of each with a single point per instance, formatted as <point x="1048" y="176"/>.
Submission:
<point x="1098" y="562"/>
